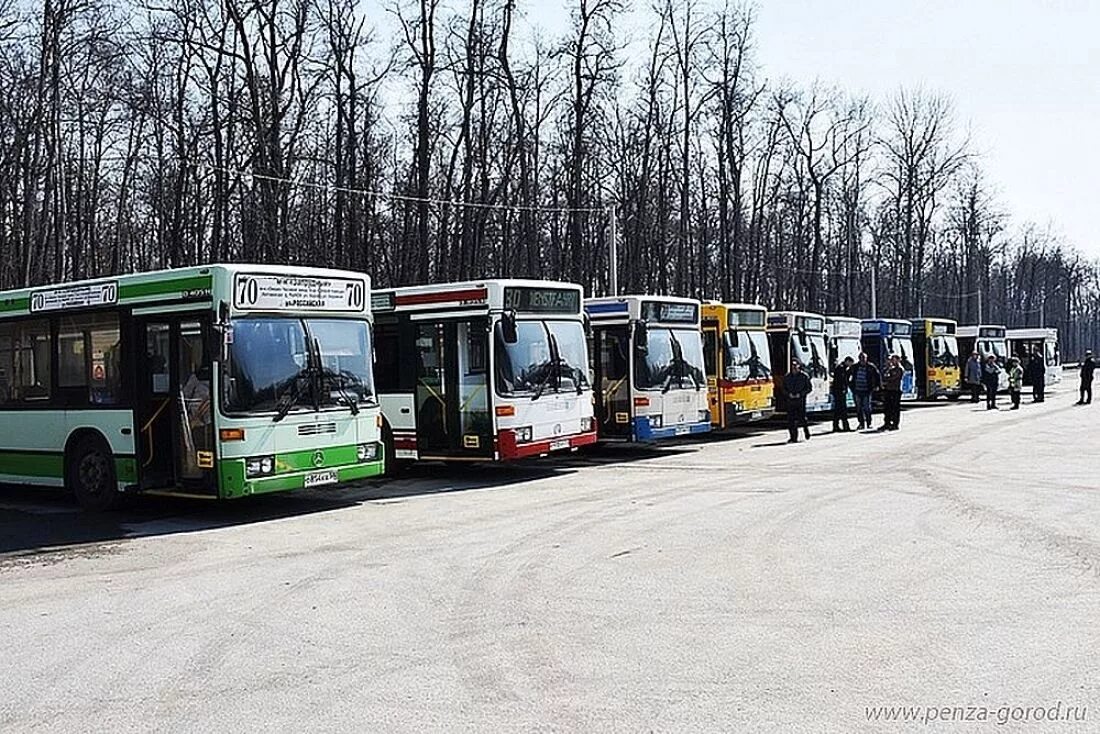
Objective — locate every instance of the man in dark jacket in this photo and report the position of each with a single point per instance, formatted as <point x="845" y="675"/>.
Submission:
<point x="863" y="379"/>
<point x="891" y="393"/>
<point x="1037" y="374"/>
<point x="797" y="385"/>
<point x="991" y="378"/>
<point x="839" y="392"/>
<point x="972" y="376"/>
<point x="1088" y="367"/>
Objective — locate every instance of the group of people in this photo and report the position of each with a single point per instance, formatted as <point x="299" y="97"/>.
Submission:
<point x="863" y="379"/>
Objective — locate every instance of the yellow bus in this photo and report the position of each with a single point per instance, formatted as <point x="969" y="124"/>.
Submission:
<point x="738" y="363"/>
<point x="938" y="360"/>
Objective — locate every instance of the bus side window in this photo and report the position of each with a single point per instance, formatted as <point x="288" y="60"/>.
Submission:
<point x="24" y="361"/>
<point x="88" y="351"/>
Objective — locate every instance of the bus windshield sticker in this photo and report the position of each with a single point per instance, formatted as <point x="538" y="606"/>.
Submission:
<point x="77" y="296"/>
<point x="542" y="300"/>
<point x="294" y="293"/>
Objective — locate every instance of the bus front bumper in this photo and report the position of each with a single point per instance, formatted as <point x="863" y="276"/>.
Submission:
<point x="233" y="482"/>
<point x="644" y="430"/>
<point x="509" y="449"/>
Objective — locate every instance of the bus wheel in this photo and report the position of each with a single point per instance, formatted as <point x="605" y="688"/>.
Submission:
<point x="90" y="475"/>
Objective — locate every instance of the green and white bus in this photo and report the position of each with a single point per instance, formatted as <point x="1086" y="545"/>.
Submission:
<point x="221" y="381"/>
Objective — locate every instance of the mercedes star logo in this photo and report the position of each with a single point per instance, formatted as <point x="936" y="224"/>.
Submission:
<point x="318" y="458"/>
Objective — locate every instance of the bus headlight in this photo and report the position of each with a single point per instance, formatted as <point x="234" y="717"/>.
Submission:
<point x="366" y="451"/>
<point x="586" y="425"/>
<point x="524" y="434"/>
<point x="704" y="416"/>
<point x="656" y="421"/>
<point x="259" y="466"/>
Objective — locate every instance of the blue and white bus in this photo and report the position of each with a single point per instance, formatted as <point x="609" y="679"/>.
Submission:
<point x="648" y="367"/>
<point x="883" y="337"/>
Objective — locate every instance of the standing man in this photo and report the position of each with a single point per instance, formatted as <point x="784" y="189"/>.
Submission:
<point x="991" y="378"/>
<point x="797" y="386"/>
<point x="972" y="376"/>
<point x="1038" y="369"/>
<point x="863" y="378"/>
<point x="891" y="393"/>
<point x="1015" y="381"/>
<point x="1088" y="367"/>
<point x="839" y="392"/>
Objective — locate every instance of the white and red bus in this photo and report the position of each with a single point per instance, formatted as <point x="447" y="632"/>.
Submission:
<point x="483" y="371"/>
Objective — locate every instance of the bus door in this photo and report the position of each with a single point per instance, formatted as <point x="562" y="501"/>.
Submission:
<point x="174" y="406"/>
<point x="713" y="362"/>
<point x="453" y="406"/>
<point x="613" y="406"/>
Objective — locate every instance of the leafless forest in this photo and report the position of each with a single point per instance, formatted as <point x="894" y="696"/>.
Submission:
<point x="420" y="140"/>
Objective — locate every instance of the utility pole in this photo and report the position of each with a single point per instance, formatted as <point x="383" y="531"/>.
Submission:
<point x="874" y="290"/>
<point x="613" y="249"/>
<point x="979" y="305"/>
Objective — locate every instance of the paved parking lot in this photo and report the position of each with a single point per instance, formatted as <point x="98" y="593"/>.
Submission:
<point x="734" y="584"/>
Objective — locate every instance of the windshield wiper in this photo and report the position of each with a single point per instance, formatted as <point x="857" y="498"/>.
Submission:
<point x="681" y="366"/>
<point x="553" y="366"/>
<point x="336" y="383"/>
<point x="291" y="397"/>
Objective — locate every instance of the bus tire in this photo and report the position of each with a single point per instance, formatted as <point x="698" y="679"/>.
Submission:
<point x="90" y="474"/>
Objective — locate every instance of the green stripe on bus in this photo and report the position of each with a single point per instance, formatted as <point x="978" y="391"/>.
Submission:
<point x="331" y="456"/>
<point x="21" y="303"/>
<point x="164" y="287"/>
<point x="32" y="464"/>
<point x="51" y="464"/>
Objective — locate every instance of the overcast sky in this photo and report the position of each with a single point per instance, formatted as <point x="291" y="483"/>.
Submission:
<point x="1024" y="76"/>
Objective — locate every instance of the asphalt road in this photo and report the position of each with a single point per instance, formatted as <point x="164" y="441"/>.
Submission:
<point x="736" y="584"/>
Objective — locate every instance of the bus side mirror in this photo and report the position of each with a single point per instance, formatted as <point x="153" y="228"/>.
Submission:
<point x="729" y="339"/>
<point x="587" y="325"/>
<point x="641" y="335"/>
<point x="508" y="327"/>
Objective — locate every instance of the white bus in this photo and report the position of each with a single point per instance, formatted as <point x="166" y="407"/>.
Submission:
<point x="800" y="335"/>
<point x="845" y="334"/>
<point x="986" y="340"/>
<point x="479" y="371"/>
<point x="647" y="361"/>
<point x="218" y="382"/>
<point x="1023" y="343"/>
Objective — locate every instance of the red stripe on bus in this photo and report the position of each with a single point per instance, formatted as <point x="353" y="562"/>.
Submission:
<point x="417" y="299"/>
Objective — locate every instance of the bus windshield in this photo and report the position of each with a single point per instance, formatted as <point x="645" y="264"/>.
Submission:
<point x="547" y="356"/>
<point x="748" y="356"/>
<point x="314" y="362"/>
<point x="945" y="351"/>
<point x="670" y="358"/>
<point x="810" y="351"/>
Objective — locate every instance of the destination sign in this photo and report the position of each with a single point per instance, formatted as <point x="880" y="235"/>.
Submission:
<point x="298" y="293"/>
<point x="382" y="301"/>
<point x="746" y="318"/>
<point x="542" y="300"/>
<point x="992" y="332"/>
<point x="76" y="296"/>
<point x="940" y="329"/>
<point x="681" y="313"/>
<point x="811" y="323"/>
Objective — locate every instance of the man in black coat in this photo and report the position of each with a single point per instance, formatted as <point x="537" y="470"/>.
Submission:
<point x="1088" y="367"/>
<point x="839" y="393"/>
<point x="797" y="385"/>
<point x="1037" y="374"/>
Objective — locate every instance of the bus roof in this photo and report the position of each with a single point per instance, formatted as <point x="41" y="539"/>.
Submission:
<point x="160" y="287"/>
<point x="1042" y="332"/>
<point x="976" y="330"/>
<point x="500" y="294"/>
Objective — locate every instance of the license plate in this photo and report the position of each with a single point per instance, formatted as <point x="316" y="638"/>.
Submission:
<point x="755" y="414"/>
<point x="318" y="478"/>
<point x="559" y="444"/>
<point x="682" y="430"/>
